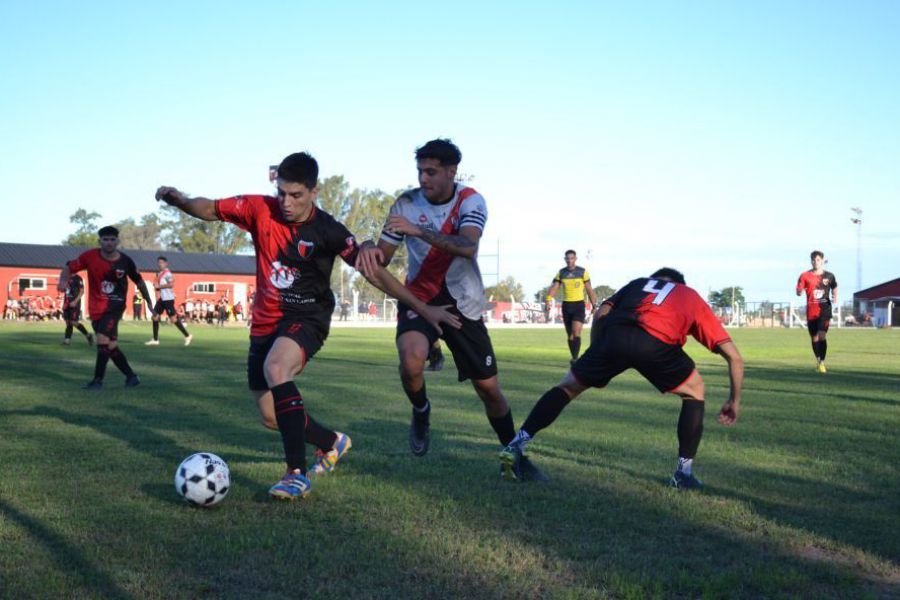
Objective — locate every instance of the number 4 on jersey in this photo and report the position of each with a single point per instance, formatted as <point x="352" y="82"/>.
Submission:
<point x="661" y="292"/>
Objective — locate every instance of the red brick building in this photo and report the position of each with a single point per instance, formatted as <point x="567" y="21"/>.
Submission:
<point x="28" y="270"/>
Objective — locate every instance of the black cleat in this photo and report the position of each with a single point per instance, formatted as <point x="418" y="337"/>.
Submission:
<point x="94" y="384"/>
<point x="435" y="361"/>
<point x="132" y="381"/>
<point x="529" y="472"/>
<point x="419" y="432"/>
<point x="683" y="481"/>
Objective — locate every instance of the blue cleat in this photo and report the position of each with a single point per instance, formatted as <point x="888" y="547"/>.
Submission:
<point x="292" y="486"/>
<point x="517" y="467"/>
<point x="326" y="461"/>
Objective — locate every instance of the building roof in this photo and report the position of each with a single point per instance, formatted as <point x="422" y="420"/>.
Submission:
<point x="888" y="288"/>
<point x="54" y="257"/>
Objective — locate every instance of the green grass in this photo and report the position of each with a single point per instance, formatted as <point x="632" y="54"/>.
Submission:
<point x="802" y="496"/>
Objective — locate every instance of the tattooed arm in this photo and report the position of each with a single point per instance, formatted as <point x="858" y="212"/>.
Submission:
<point x="465" y="243"/>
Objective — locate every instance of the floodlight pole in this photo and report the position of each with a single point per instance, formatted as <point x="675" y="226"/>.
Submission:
<point x="857" y="220"/>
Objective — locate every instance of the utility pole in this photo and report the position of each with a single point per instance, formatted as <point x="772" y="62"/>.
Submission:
<point x="857" y="220"/>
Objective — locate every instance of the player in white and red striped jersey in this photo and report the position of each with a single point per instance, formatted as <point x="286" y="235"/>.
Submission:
<point x="441" y="222"/>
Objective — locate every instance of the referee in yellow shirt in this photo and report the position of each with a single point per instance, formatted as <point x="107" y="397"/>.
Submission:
<point x="574" y="281"/>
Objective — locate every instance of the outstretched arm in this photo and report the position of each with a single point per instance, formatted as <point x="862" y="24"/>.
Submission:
<point x="202" y="208"/>
<point x="435" y="315"/>
<point x="729" y="413"/>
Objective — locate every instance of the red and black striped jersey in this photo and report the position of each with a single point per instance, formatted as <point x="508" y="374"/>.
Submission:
<point x="293" y="260"/>
<point x="817" y="288"/>
<point x="668" y="311"/>
<point x="73" y="290"/>
<point x="107" y="281"/>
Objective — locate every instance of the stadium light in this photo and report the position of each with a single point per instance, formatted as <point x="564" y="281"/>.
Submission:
<point x="857" y="220"/>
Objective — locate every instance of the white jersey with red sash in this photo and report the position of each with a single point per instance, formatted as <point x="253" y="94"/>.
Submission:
<point x="431" y="269"/>
<point x="165" y="277"/>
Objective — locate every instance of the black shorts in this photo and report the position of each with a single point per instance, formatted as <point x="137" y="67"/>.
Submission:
<point x="108" y="325"/>
<point x="72" y="313"/>
<point x="471" y="345"/>
<point x="820" y="324"/>
<point x="307" y="335"/>
<point x="164" y="305"/>
<point x="666" y="366"/>
<point x="572" y="311"/>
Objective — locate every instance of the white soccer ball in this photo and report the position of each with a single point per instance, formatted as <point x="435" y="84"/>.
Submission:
<point x="202" y="479"/>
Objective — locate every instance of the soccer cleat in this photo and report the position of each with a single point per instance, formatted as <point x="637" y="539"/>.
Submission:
<point x="187" y="340"/>
<point x="821" y="368"/>
<point x="326" y="461"/>
<point x="152" y="343"/>
<point x="93" y="384"/>
<point x="435" y="361"/>
<point x="66" y="341"/>
<point x="518" y="467"/>
<point x="292" y="486"/>
<point x="419" y="431"/>
<point x="132" y="381"/>
<point x="682" y="481"/>
<point x="90" y="339"/>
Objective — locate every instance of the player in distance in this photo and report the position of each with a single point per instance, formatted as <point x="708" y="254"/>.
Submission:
<point x="643" y="326"/>
<point x="71" y="309"/>
<point x="165" y="287"/>
<point x="575" y="283"/>
<point x="108" y="273"/>
<point x="821" y="293"/>
<point x="296" y="245"/>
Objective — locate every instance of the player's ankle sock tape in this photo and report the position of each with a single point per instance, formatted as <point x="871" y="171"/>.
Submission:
<point x="690" y="427"/>
<point x="120" y="361"/>
<point x="320" y="437"/>
<point x="291" y="417"/>
<point x="546" y="410"/>
<point x="102" y="360"/>
<point x="503" y="427"/>
<point x="419" y="398"/>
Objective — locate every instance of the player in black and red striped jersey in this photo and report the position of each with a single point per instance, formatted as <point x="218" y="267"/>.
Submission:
<point x="108" y="273"/>
<point x="71" y="309"/>
<point x="821" y="291"/>
<point x="643" y="326"/>
<point x="296" y="245"/>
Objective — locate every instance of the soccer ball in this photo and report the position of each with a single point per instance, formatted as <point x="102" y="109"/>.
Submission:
<point x="202" y="479"/>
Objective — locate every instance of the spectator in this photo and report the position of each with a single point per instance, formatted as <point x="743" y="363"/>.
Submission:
<point x="137" y="307"/>
<point x="373" y="311"/>
<point x="345" y="309"/>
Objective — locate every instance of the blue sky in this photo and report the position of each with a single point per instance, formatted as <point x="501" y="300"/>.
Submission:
<point x="726" y="139"/>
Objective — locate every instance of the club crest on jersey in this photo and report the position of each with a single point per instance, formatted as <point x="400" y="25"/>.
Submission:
<point x="305" y="249"/>
<point x="281" y="277"/>
<point x="422" y="218"/>
<point x="107" y="287"/>
<point x="825" y="281"/>
<point x="120" y="273"/>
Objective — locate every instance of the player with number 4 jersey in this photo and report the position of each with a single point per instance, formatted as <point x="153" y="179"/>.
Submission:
<point x="643" y="326"/>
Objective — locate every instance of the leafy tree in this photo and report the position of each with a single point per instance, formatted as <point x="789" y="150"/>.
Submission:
<point x="603" y="292"/>
<point x="725" y="297"/>
<point x="143" y="236"/>
<point x="86" y="234"/>
<point x="188" y="234"/>
<point x="507" y="290"/>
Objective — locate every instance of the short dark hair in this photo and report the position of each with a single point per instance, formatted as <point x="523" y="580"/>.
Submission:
<point x="299" y="167"/>
<point x="442" y="150"/>
<point x="572" y="252"/>
<point x="107" y="231"/>
<point x="815" y="253"/>
<point x="669" y="274"/>
<point x="162" y="258"/>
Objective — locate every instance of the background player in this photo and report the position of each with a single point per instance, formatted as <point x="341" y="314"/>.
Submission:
<point x="817" y="283"/>
<point x="575" y="282"/>
<point x="165" y="284"/>
<point x="108" y="273"/>
<point x="441" y="222"/>
<point x="296" y="244"/>
<point x="643" y="326"/>
<point x="72" y="309"/>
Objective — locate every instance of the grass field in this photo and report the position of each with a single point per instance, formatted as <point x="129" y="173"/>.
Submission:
<point x="802" y="496"/>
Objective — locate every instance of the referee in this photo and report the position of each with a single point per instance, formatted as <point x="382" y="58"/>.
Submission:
<point x="574" y="282"/>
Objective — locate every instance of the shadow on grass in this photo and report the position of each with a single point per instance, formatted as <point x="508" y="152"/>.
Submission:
<point x="88" y="576"/>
